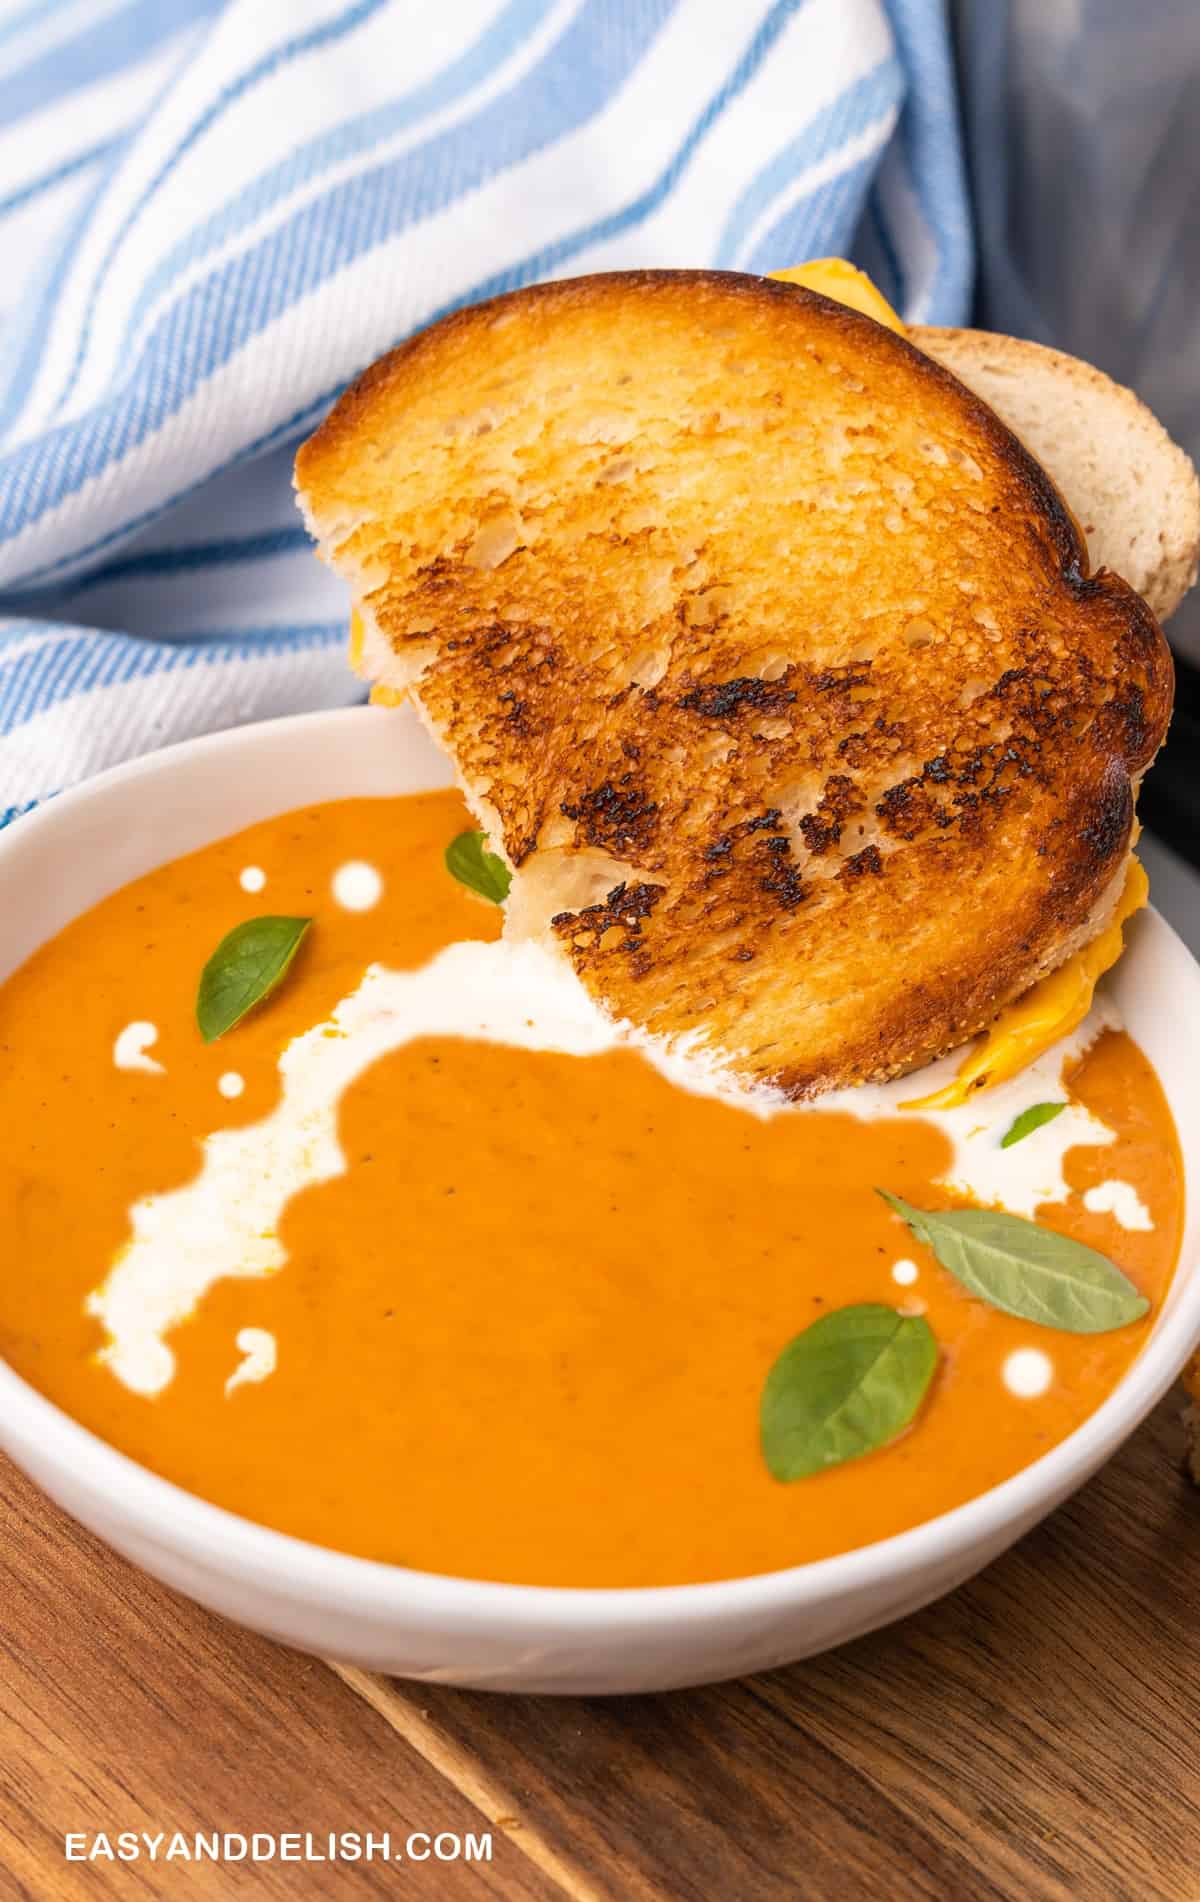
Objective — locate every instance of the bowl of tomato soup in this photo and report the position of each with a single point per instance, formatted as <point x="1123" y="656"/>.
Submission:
<point x="370" y="1287"/>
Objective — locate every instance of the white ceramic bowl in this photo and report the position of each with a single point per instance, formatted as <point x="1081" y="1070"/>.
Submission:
<point x="83" y="845"/>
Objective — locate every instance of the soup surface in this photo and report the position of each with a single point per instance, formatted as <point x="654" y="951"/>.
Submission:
<point x="524" y="1333"/>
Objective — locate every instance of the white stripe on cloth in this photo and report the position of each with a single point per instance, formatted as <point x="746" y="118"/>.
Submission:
<point x="57" y="748"/>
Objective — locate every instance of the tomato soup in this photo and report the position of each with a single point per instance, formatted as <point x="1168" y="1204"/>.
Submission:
<point x="502" y="1300"/>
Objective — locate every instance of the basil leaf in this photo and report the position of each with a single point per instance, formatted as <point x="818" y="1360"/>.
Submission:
<point x="1025" y="1270"/>
<point x="245" y="967"/>
<point x="1030" y="1119"/>
<point x="846" y="1385"/>
<point x="469" y="861"/>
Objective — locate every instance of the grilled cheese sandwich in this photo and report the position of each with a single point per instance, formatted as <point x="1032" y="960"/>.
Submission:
<point x="442" y="619"/>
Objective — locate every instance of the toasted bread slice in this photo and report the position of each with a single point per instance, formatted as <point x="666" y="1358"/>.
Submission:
<point x="763" y="648"/>
<point x="1132" y="491"/>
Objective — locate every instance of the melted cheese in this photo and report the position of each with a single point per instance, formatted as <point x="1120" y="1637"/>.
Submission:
<point x="357" y="635"/>
<point x="846" y="284"/>
<point x="1050" y="1011"/>
<point x="379" y="696"/>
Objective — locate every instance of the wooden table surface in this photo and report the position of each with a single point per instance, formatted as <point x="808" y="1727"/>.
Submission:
<point x="1035" y="1736"/>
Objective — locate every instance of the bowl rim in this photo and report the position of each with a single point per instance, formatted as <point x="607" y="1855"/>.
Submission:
<point x="166" y="1515"/>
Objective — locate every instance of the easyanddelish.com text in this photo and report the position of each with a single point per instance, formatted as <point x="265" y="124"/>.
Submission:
<point x="349" y="1845"/>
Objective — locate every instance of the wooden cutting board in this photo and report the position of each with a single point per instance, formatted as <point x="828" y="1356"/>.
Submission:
<point x="1035" y="1736"/>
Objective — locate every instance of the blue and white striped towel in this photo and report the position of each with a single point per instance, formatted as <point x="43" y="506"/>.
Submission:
<point x="213" y="215"/>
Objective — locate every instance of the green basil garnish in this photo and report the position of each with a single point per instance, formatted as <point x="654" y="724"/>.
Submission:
<point x="469" y="861"/>
<point x="1030" y="1119"/>
<point x="845" y="1386"/>
<point x="1025" y="1270"/>
<point x="245" y="967"/>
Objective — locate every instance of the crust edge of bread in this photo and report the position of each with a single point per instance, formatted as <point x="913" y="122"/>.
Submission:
<point x="985" y="354"/>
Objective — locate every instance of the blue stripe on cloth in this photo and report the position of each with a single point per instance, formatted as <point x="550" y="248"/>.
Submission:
<point x="828" y="215"/>
<point x="57" y="175"/>
<point x="82" y="662"/>
<point x="9" y="813"/>
<point x="201" y="555"/>
<point x="97" y="52"/>
<point x="847" y="115"/>
<point x="928" y="139"/>
<point x="500" y="39"/>
<point x="872" y="250"/>
<point x="219" y="315"/>
<point x="266" y="68"/>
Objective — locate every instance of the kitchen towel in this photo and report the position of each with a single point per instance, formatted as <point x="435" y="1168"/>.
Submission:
<point x="212" y="216"/>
